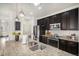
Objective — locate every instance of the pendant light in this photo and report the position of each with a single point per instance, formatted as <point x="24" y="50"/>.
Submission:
<point x="16" y="18"/>
<point x="21" y="14"/>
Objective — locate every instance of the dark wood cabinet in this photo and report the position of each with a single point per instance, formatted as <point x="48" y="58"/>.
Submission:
<point x="58" y="18"/>
<point x="68" y="46"/>
<point x="47" y="24"/>
<point x="64" y="21"/>
<point x="43" y="39"/>
<point x="51" y="19"/>
<point x="70" y="20"/>
<point x="62" y="44"/>
<point x="43" y="25"/>
<point x="72" y="47"/>
<point x="74" y="19"/>
<point x="55" y="19"/>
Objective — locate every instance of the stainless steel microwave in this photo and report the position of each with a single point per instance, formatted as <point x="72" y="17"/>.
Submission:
<point x="55" y="26"/>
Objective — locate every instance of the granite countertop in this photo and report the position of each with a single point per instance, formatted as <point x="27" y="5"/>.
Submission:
<point x="64" y="38"/>
<point x="68" y="38"/>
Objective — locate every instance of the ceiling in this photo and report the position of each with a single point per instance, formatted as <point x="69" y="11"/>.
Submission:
<point x="9" y="10"/>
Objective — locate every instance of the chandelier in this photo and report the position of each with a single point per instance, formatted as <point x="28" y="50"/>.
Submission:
<point x="20" y="14"/>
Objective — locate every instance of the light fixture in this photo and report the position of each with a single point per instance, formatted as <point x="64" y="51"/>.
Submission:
<point x="39" y="7"/>
<point x="36" y="4"/>
<point x="31" y="13"/>
<point x="21" y="14"/>
<point x="16" y="18"/>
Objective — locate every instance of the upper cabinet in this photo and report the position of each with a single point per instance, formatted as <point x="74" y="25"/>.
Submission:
<point x="55" y="19"/>
<point x="74" y="19"/>
<point x="65" y="23"/>
<point x="70" y="20"/>
<point x="44" y="23"/>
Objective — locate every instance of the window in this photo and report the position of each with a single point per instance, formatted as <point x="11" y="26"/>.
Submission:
<point x="17" y="25"/>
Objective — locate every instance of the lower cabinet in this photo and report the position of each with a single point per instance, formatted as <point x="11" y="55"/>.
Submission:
<point x="72" y="47"/>
<point x="43" y="39"/>
<point x="68" y="46"/>
<point x="62" y="44"/>
<point x="53" y="43"/>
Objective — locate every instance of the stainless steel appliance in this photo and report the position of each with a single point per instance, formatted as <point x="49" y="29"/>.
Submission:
<point x="55" y="26"/>
<point x="36" y="32"/>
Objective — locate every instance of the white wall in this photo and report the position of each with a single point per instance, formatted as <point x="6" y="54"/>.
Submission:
<point x="8" y="14"/>
<point x="6" y="27"/>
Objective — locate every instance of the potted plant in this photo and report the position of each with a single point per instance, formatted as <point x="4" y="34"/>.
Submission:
<point x="16" y="35"/>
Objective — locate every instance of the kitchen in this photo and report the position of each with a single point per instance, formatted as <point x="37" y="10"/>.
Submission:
<point x="61" y="30"/>
<point x="28" y="29"/>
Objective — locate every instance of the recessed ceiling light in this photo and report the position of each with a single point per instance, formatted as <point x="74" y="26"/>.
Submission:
<point x="36" y="4"/>
<point x="2" y="21"/>
<point x="39" y="7"/>
<point x="31" y="13"/>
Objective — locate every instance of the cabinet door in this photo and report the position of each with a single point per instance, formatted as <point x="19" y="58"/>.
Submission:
<point x="64" y="21"/>
<point x="43" y="39"/>
<point x="51" y="19"/>
<point x="74" y="19"/>
<point x="67" y="20"/>
<point x="42" y="32"/>
<point x="70" y="20"/>
<point x="47" y="24"/>
<point x="58" y="18"/>
<point x="42" y="29"/>
<point x="62" y="44"/>
<point x="72" y="47"/>
<point x="40" y="22"/>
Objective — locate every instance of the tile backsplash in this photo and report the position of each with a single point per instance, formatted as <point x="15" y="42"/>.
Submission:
<point x="65" y="32"/>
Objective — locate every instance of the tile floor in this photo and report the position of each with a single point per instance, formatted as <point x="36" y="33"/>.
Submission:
<point x="13" y="48"/>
